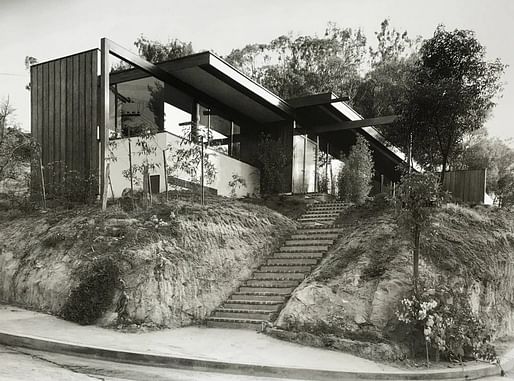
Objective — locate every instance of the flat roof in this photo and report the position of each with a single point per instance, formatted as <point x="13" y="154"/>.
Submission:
<point x="211" y="76"/>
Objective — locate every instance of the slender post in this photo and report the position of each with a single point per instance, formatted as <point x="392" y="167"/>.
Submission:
<point x="104" y="119"/>
<point x="201" y="174"/>
<point x="165" y="172"/>
<point x="381" y="183"/>
<point x="130" y="164"/>
<point x="42" y="181"/>
<point x="316" y="165"/>
<point x="304" y="151"/>
<point x="410" y="152"/>
<point x="326" y="169"/>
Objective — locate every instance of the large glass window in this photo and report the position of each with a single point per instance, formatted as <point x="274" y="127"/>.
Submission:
<point x="177" y="121"/>
<point x="221" y="134"/>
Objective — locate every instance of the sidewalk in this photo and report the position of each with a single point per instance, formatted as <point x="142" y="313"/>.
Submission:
<point x="208" y="345"/>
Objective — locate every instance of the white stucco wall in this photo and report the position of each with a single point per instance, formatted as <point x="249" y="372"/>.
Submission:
<point x="226" y="166"/>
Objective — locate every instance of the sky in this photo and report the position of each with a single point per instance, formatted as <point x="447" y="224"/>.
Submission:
<point x="48" y="29"/>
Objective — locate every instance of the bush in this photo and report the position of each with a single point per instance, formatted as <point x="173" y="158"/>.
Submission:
<point x="354" y="180"/>
<point x="441" y="319"/>
<point x="94" y="294"/>
<point x="273" y="160"/>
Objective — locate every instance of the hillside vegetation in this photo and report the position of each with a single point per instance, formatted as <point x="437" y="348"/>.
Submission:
<point x="165" y="266"/>
<point x="355" y="292"/>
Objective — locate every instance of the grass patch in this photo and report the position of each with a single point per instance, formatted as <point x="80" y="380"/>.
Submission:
<point x="289" y="206"/>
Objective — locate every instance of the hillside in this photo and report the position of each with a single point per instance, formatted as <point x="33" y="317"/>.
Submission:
<point x="355" y="291"/>
<point x="163" y="267"/>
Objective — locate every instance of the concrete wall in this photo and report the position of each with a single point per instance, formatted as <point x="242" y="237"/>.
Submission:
<point x="227" y="168"/>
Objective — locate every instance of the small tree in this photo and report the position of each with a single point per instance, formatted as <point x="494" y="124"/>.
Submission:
<point x="354" y="180"/>
<point x="273" y="160"/>
<point x="417" y="197"/>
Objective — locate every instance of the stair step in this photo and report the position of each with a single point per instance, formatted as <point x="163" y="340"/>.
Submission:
<point x="286" y="269"/>
<point x="271" y="283"/>
<point x="259" y="296"/>
<point x="304" y="249"/>
<point x="298" y="254"/>
<point x="282" y="289"/>
<point x="266" y="305"/>
<point x="309" y="242"/>
<point x="327" y="213"/>
<point x="242" y="313"/>
<point x="318" y="230"/>
<point x="317" y="236"/>
<point x="292" y="261"/>
<point x="217" y="322"/>
<point x="316" y="219"/>
<point x="277" y="275"/>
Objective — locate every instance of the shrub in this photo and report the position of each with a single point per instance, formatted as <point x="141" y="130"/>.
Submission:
<point x="354" y="180"/>
<point x="273" y="160"/>
<point x="441" y="318"/>
<point x="94" y="293"/>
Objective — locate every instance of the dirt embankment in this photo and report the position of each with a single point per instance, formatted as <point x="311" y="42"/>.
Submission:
<point x="161" y="267"/>
<point x="355" y="291"/>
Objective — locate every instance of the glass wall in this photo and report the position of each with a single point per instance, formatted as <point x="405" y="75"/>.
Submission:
<point x="147" y="105"/>
<point x="221" y="134"/>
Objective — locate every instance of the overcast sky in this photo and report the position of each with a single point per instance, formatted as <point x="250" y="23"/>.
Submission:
<point x="52" y="28"/>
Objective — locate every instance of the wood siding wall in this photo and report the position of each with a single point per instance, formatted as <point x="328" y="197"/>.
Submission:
<point x="64" y="117"/>
<point x="466" y="186"/>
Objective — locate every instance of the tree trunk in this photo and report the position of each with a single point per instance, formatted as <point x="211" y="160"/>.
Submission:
<point x="417" y="234"/>
<point x="443" y="170"/>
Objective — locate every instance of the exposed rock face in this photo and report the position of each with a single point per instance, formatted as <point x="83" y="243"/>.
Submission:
<point x="173" y="268"/>
<point x="357" y="287"/>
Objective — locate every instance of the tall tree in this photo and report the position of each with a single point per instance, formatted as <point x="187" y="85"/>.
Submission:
<point x="292" y="67"/>
<point x="156" y="51"/>
<point x="451" y="93"/>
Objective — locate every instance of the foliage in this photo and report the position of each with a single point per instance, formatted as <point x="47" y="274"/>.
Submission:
<point x="418" y="195"/>
<point x="74" y="187"/>
<point x="156" y="51"/>
<point x="236" y="183"/>
<point x="291" y="67"/>
<point x="450" y="94"/>
<point x="272" y="161"/>
<point x="382" y="89"/>
<point x="16" y="147"/>
<point x="188" y="158"/>
<point x="354" y="180"/>
<point x="443" y="318"/>
<point x="479" y="151"/>
<point x="94" y="294"/>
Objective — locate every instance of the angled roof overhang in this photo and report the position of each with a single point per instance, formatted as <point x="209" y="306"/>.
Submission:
<point x="209" y="78"/>
<point x="326" y="109"/>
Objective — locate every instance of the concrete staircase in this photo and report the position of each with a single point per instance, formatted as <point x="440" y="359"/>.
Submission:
<point x="260" y="298"/>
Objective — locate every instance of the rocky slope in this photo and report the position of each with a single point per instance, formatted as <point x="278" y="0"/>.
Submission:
<point x="356" y="289"/>
<point x="164" y="267"/>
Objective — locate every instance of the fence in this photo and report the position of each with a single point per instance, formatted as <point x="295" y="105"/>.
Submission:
<point x="466" y="186"/>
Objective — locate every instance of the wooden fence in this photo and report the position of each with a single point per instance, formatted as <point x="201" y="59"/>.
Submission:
<point x="466" y="186"/>
<point x="64" y="119"/>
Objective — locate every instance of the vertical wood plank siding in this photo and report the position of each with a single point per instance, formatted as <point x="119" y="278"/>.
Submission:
<point x="466" y="186"/>
<point x="64" y="116"/>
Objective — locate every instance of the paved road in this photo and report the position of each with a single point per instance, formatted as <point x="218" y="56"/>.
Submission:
<point x="27" y="365"/>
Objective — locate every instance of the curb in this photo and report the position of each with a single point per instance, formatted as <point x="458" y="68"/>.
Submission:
<point x="139" y="358"/>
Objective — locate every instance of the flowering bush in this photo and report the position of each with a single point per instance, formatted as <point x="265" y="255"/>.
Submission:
<point x="445" y="321"/>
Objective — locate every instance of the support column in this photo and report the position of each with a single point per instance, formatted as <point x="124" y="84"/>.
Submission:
<point x="104" y="119"/>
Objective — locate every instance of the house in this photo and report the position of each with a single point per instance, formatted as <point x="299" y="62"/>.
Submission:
<point x="83" y="120"/>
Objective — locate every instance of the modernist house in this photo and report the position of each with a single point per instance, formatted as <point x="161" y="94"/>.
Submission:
<point x="83" y="116"/>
